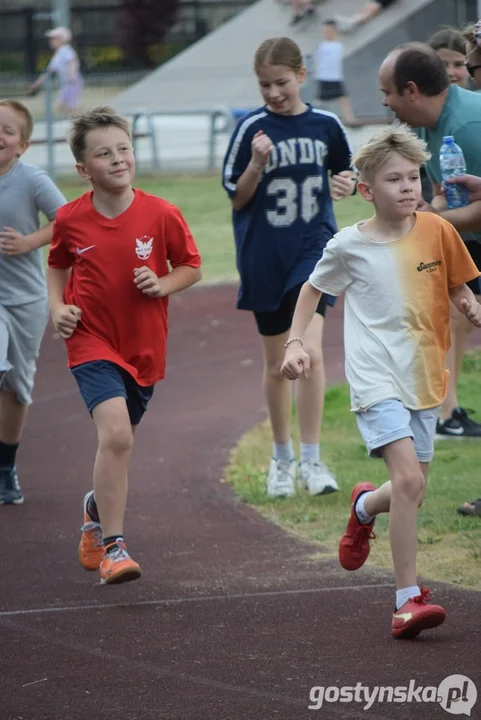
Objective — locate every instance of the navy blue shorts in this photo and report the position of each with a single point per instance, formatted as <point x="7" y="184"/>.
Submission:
<point x="101" y="380"/>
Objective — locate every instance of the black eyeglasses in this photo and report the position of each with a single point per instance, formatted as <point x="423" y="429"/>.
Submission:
<point x="472" y="68"/>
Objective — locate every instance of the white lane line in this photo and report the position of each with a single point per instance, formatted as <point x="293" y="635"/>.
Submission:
<point x="178" y="601"/>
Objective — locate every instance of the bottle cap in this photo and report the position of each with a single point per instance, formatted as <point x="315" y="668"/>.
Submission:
<point x="448" y="138"/>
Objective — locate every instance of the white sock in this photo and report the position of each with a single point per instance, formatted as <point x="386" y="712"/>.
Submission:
<point x="404" y="594"/>
<point x="309" y="452"/>
<point x="283" y="451"/>
<point x="361" y="513"/>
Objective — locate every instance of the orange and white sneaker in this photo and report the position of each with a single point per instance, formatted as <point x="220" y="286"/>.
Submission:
<point x="90" y="549"/>
<point x="117" y="566"/>
<point x="354" y="545"/>
<point x="415" y="615"/>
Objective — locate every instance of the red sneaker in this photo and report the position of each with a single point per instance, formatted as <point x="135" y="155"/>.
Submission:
<point x="354" y="545"/>
<point x="415" y="615"/>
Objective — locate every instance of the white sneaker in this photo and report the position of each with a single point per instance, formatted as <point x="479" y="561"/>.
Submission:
<point x="281" y="478"/>
<point x="315" y="477"/>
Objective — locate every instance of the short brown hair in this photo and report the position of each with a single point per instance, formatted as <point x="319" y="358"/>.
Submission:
<point x="279" y="51"/>
<point x="98" y="117"/>
<point x="373" y="154"/>
<point x="448" y="38"/>
<point x="418" y="63"/>
<point x="27" y="120"/>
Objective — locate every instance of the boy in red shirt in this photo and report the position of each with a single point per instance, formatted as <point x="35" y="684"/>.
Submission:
<point x="109" y="282"/>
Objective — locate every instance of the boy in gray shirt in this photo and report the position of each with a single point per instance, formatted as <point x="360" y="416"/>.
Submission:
<point x="25" y="191"/>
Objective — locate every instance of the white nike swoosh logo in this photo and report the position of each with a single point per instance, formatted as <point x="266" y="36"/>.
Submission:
<point x="403" y="616"/>
<point x="453" y="431"/>
<point x="80" y="251"/>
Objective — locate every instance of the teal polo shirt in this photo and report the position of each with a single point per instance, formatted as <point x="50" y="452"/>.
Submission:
<point x="461" y="118"/>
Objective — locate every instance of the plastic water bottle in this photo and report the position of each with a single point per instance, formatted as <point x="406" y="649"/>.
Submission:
<point x="452" y="163"/>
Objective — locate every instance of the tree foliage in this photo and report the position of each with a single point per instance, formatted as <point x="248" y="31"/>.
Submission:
<point x="144" y="23"/>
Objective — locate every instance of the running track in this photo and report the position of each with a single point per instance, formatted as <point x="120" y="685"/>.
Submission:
<point x="233" y="618"/>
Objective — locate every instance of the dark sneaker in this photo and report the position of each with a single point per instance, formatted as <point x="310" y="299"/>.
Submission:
<point x="459" y="425"/>
<point x="10" y="493"/>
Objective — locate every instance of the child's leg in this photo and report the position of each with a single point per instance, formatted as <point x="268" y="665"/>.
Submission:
<point x="408" y="483"/>
<point x="13" y="415"/>
<point x="346" y="110"/>
<point x="277" y="389"/>
<point x="115" y="439"/>
<point x="310" y="389"/>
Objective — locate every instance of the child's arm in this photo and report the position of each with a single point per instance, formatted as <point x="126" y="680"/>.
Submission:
<point x="64" y="317"/>
<point x="465" y="301"/>
<point x="247" y="183"/>
<point x="180" y="278"/>
<point x="14" y="243"/>
<point x="296" y="360"/>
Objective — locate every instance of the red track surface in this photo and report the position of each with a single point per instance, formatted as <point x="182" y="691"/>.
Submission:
<point x="232" y="618"/>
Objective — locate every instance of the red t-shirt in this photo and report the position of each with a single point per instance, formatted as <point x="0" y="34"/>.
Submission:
<point x="119" y="323"/>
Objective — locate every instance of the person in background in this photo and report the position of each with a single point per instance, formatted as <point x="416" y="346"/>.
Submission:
<point x="472" y="36"/>
<point x="65" y="64"/>
<point x="368" y="12"/>
<point x="302" y="9"/>
<point x="450" y="45"/>
<point x="329" y="71"/>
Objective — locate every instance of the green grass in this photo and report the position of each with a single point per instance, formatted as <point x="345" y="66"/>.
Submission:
<point x="449" y="544"/>
<point x="206" y="208"/>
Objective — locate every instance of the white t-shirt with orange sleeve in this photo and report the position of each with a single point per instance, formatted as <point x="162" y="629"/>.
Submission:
<point x="396" y="315"/>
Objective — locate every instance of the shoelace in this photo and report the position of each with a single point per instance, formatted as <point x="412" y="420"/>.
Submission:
<point x="424" y="598"/>
<point x="285" y="480"/>
<point x="9" y="479"/>
<point x="361" y="534"/>
<point x="96" y="530"/>
<point x="119" y="554"/>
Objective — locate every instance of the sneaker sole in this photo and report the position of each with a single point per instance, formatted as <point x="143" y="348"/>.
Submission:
<point x="426" y="622"/>
<point x="123" y="576"/>
<point x="19" y="501"/>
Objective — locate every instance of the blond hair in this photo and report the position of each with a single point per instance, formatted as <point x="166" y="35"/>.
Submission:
<point x="373" y="154"/>
<point x="103" y="116"/>
<point x="279" y="51"/>
<point x="20" y="109"/>
<point x="471" y="35"/>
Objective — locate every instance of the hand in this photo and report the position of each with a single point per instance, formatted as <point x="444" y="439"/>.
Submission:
<point x="261" y="147"/>
<point x="147" y="281"/>
<point x="343" y="184"/>
<point x="424" y="206"/>
<point x="13" y="242"/>
<point x="472" y="310"/>
<point x="471" y="183"/>
<point x="65" y="319"/>
<point x="296" y="363"/>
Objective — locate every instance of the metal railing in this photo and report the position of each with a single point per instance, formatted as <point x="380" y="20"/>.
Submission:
<point x="220" y="121"/>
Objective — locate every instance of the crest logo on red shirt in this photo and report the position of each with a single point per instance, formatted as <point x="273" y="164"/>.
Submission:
<point x="143" y="248"/>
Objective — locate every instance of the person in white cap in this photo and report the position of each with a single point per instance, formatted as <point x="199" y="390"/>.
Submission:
<point x="65" y="64"/>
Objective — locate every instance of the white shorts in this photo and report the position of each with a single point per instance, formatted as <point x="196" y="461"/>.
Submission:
<point x="21" y="331"/>
<point x="389" y="420"/>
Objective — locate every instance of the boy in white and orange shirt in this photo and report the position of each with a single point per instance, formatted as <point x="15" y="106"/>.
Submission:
<point x="398" y="270"/>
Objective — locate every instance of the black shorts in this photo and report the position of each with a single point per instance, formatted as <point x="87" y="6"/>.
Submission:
<point x="385" y="3"/>
<point x="276" y="322"/>
<point x="101" y="380"/>
<point x="330" y="90"/>
<point x="474" y="249"/>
